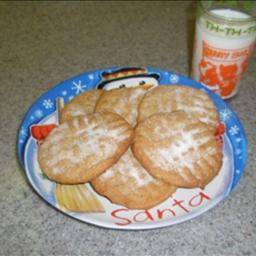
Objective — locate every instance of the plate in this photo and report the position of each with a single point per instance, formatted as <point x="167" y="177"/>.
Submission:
<point x="184" y="204"/>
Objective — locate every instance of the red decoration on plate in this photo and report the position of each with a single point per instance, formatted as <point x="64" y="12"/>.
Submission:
<point x="219" y="132"/>
<point x="40" y="132"/>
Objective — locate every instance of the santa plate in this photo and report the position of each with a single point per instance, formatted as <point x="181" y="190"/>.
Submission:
<point x="183" y="205"/>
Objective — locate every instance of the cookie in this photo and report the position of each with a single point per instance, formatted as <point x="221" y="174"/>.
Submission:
<point x="165" y="99"/>
<point x="80" y="149"/>
<point x="127" y="183"/>
<point x="80" y="105"/>
<point x="123" y="101"/>
<point x="178" y="149"/>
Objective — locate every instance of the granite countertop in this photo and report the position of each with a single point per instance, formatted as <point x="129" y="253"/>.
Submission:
<point x="43" y="43"/>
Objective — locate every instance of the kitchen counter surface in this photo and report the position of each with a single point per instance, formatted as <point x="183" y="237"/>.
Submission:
<point x="43" y="43"/>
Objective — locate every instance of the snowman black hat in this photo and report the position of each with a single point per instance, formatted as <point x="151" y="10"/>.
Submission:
<point x="124" y="73"/>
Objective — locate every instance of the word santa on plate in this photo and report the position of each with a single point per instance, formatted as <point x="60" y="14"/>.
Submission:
<point x="172" y="208"/>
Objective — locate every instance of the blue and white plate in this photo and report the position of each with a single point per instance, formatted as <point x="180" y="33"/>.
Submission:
<point x="184" y="204"/>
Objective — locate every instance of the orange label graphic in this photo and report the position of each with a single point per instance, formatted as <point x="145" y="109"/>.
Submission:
<point x="222" y="69"/>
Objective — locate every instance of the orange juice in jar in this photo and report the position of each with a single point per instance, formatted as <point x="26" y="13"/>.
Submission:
<point x="224" y="41"/>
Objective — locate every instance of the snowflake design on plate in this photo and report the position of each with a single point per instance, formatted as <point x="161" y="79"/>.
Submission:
<point x="238" y="152"/>
<point x="238" y="140"/>
<point x="91" y="76"/>
<point x="78" y="87"/>
<point x="64" y="93"/>
<point x="225" y="114"/>
<point x="38" y="113"/>
<point x="174" y="78"/>
<point x="234" y="130"/>
<point x="23" y="132"/>
<point x="48" y="104"/>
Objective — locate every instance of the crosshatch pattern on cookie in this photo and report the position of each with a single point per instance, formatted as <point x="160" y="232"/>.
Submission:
<point x="80" y="105"/>
<point x="178" y="149"/>
<point x="128" y="183"/>
<point x="83" y="147"/>
<point x="166" y="99"/>
<point x="123" y="101"/>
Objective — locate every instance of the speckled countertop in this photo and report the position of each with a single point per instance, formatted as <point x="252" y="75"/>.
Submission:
<point x="43" y="43"/>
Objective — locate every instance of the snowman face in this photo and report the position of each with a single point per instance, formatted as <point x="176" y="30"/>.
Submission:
<point x="132" y="82"/>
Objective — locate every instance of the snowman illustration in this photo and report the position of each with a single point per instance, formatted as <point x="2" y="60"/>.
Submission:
<point x="128" y="77"/>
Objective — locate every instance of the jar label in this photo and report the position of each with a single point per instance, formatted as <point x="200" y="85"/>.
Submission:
<point x="222" y="69"/>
